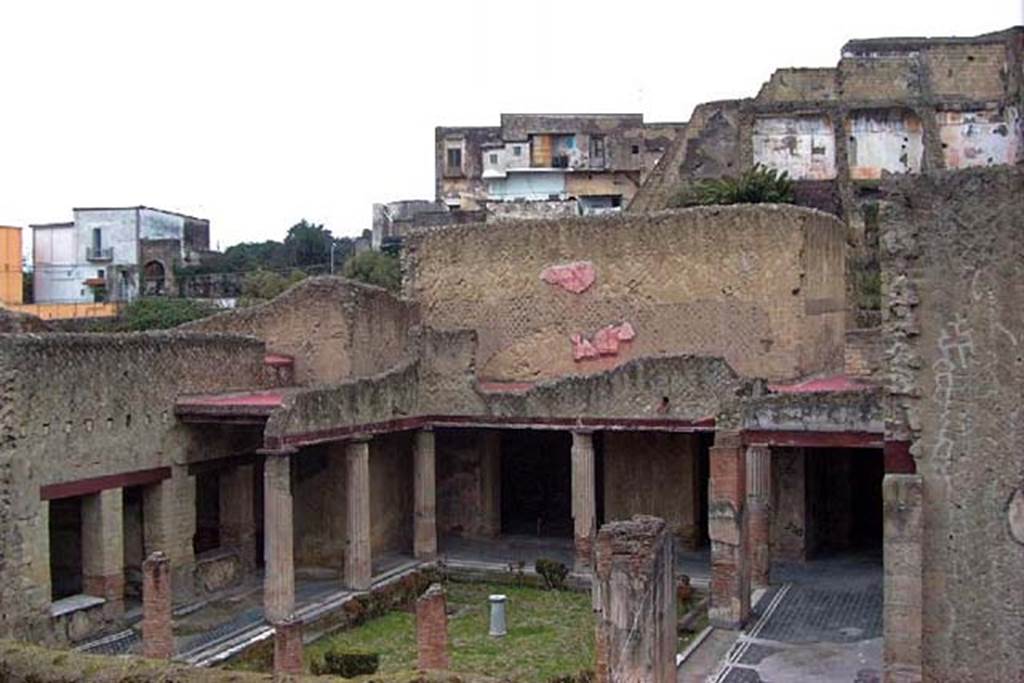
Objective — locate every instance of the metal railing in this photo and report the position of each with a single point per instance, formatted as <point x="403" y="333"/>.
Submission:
<point x="101" y="254"/>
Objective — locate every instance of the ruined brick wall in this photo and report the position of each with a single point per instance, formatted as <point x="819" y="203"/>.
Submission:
<point x="653" y="473"/>
<point x="760" y="286"/>
<point x="336" y="329"/>
<point x="319" y="506"/>
<point x="954" y="273"/>
<point x="635" y="602"/>
<point x="82" y="406"/>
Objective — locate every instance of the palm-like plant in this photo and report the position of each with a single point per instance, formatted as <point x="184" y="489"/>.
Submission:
<point x="758" y="185"/>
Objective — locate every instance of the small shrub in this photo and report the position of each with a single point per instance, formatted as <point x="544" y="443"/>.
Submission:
<point x="553" y="572"/>
<point x="758" y="185"/>
<point x="375" y="268"/>
<point x="346" y="664"/>
<point x="160" y="313"/>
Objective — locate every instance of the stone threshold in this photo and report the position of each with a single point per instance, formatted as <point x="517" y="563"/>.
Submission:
<point x="74" y="603"/>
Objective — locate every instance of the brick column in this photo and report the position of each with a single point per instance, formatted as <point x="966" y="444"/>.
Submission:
<point x="584" y="511"/>
<point x="902" y="499"/>
<point x="279" y="581"/>
<point x="288" y="647"/>
<point x="238" y="514"/>
<point x="759" y="468"/>
<point x="358" y="567"/>
<point x="103" y="549"/>
<point x="490" y="482"/>
<point x="730" y="568"/>
<point x="157" y="632"/>
<point x="634" y="593"/>
<point x="432" y="629"/>
<point x="425" y="504"/>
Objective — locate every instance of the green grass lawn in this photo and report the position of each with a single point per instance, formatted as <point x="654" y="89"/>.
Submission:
<point x="550" y="633"/>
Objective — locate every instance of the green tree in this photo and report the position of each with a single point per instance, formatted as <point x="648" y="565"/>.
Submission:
<point x="375" y="268"/>
<point x="758" y="185"/>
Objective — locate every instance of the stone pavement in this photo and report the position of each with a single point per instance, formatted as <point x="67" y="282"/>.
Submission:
<point x="821" y="622"/>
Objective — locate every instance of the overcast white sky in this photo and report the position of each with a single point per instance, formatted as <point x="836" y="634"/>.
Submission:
<point x="256" y="115"/>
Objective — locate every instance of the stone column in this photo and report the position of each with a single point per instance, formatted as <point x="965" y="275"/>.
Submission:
<point x="432" y="629"/>
<point x="425" y="504"/>
<point x="278" y="529"/>
<point x="759" y="468"/>
<point x="103" y="549"/>
<point x="490" y="483"/>
<point x="634" y="596"/>
<point x="902" y="499"/>
<point x="584" y="510"/>
<point x="238" y="514"/>
<point x="157" y="632"/>
<point x="358" y="567"/>
<point x="730" y="568"/>
<point x="288" y="647"/>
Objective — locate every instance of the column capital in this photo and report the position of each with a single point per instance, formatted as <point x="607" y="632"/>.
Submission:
<point x="583" y="431"/>
<point x="360" y="438"/>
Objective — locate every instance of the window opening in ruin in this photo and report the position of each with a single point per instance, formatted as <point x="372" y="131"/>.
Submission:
<point x="207" y="535"/>
<point x="536" y="476"/>
<point x="65" y="547"/>
<point x="636" y="149"/>
<point x="134" y="543"/>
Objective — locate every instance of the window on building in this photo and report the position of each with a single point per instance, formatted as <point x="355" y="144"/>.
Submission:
<point x="636" y="149"/>
<point x="494" y="158"/>
<point x="517" y="150"/>
<point x="454" y="159"/>
<point x="97" y="240"/>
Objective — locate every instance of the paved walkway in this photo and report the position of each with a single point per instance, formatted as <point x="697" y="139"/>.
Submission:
<point x="821" y="622"/>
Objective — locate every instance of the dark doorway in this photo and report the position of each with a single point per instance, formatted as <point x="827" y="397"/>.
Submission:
<point x="844" y="500"/>
<point x="536" y="483"/>
<point x="207" y="535"/>
<point x="704" y="444"/>
<point x="65" y="547"/>
<point x="134" y="546"/>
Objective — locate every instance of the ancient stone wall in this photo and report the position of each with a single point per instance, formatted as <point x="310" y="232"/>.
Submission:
<point x="953" y="265"/>
<point x="468" y="497"/>
<point x="761" y="286"/>
<point x="653" y="473"/>
<point x="335" y="329"/>
<point x="391" y="505"/>
<point x="83" y="406"/>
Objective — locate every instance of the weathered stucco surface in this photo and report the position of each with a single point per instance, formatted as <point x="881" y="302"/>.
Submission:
<point x="954" y="267"/>
<point x="335" y="329"/>
<point x="771" y="276"/>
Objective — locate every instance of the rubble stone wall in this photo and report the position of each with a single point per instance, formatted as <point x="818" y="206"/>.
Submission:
<point x="953" y="266"/>
<point x="335" y="329"/>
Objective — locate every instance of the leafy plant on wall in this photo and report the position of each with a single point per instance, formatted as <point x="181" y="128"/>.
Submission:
<point x="758" y="185"/>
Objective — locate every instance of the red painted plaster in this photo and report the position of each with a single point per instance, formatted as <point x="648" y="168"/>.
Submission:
<point x="575" y="277"/>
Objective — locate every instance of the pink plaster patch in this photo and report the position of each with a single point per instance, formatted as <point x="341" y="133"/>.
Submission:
<point x="575" y="277"/>
<point x="582" y="348"/>
<point x="606" y="341"/>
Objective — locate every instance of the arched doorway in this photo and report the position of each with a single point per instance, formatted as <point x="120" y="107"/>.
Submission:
<point x="154" y="275"/>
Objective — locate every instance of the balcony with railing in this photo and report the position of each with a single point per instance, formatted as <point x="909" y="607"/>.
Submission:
<point x="99" y="254"/>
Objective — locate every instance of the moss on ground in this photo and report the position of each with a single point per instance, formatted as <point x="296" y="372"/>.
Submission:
<point x="550" y="634"/>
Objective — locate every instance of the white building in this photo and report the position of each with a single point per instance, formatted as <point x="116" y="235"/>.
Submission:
<point x="114" y="254"/>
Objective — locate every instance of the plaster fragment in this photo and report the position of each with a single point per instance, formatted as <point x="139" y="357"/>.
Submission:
<point x="575" y="277"/>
